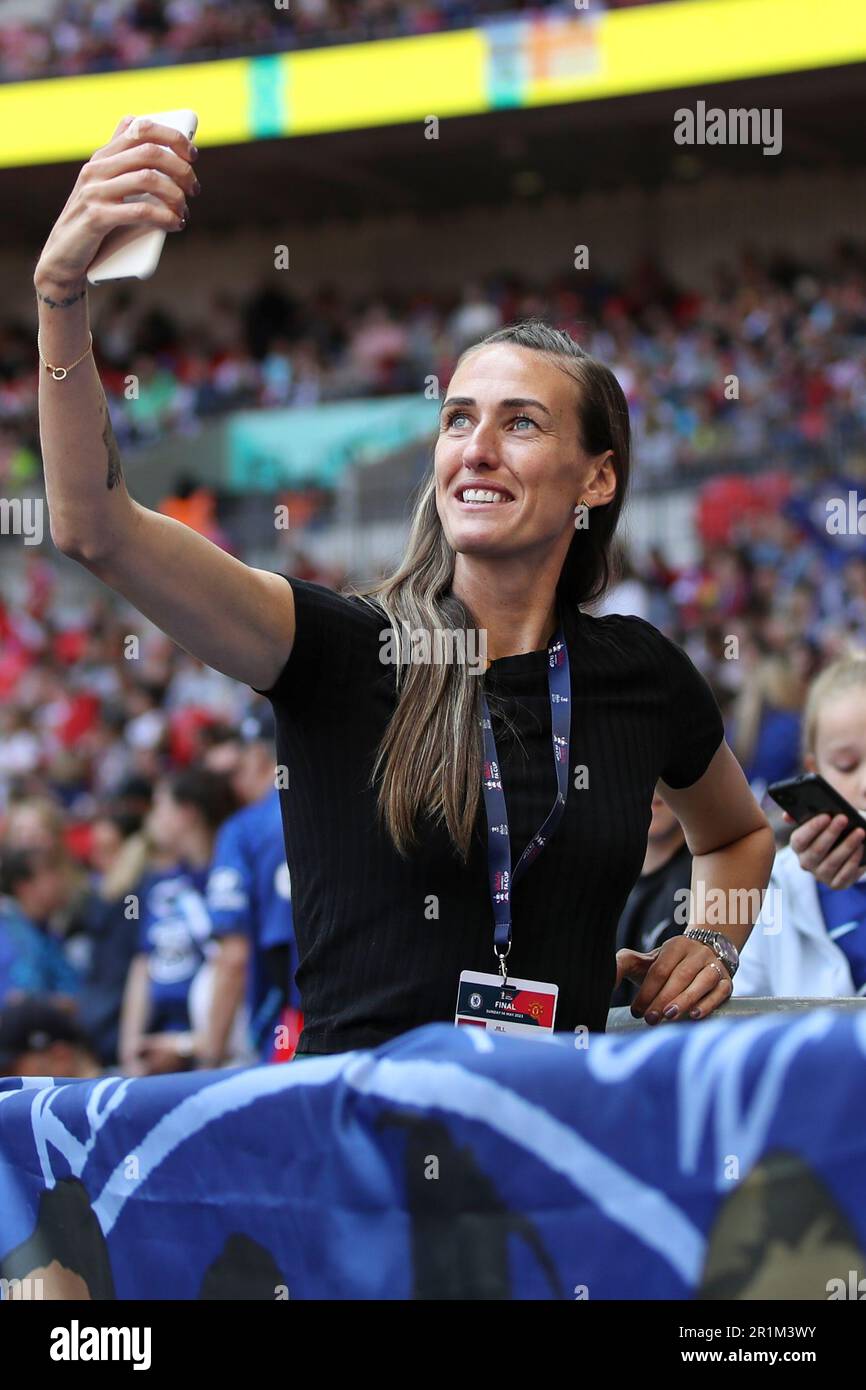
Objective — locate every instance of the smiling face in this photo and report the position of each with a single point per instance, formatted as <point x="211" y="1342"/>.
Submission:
<point x="509" y="463"/>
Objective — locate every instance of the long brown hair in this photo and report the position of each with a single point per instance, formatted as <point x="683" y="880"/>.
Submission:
<point x="430" y="757"/>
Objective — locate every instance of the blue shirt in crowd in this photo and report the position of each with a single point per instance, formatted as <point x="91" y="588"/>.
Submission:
<point x="249" y="892"/>
<point x="173" y="930"/>
<point x="31" y="961"/>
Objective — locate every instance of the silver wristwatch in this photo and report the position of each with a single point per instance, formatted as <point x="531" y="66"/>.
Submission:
<point x="724" y="949"/>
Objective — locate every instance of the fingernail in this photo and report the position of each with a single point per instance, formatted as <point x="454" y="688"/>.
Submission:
<point x="196" y="188"/>
<point x="671" y="1011"/>
<point x="653" y="1016"/>
<point x="695" y="1013"/>
<point x="193" y="152"/>
<point x="637" y="1013"/>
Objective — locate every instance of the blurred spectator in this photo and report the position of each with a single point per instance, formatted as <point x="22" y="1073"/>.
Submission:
<point x="119" y="853"/>
<point x="766" y="719"/>
<point x="40" y="823"/>
<point x="193" y="505"/>
<point x="222" y="751"/>
<point x="249" y="900"/>
<point x="474" y="319"/>
<point x="628" y="595"/>
<point x="796" y="344"/>
<point x="37" y="1038"/>
<point x="174" y="926"/>
<point x="31" y="961"/>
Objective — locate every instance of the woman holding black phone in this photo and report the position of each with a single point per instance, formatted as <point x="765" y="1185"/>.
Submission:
<point x="452" y="825"/>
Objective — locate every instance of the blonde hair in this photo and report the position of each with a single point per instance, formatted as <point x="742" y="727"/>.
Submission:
<point x="845" y="674"/>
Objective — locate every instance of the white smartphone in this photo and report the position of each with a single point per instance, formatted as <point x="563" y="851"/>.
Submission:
<point x="135" y="251"/>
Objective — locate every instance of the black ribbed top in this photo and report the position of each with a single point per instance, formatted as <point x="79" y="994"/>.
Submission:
<point x="382" y="940"/>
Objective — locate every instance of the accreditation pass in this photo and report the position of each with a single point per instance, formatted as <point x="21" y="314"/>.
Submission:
<point x="524" y="1007"/>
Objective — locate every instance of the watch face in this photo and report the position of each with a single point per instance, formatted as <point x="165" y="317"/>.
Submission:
<point x="724" y="949"/>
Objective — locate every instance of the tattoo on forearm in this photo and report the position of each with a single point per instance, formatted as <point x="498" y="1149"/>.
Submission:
<point x="61" y="303"/>
<point x="115" y="472"/>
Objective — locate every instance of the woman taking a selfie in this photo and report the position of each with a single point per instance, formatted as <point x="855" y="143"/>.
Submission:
<point x="440" y="817"/>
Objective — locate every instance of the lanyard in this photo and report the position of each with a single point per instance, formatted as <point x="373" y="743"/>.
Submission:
<point x="502" y="880"/>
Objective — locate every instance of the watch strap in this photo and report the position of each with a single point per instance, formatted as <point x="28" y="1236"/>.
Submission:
<point x="713" y="938"/>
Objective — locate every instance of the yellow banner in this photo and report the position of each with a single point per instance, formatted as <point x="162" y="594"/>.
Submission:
<point x="654" y="47"/>
<point x="70" y="117"/>
<point x="370" y="84"/>
<point x="511" y="63"/>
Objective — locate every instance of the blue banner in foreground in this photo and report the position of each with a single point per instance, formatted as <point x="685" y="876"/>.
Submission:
<point x="723" y="1159"/>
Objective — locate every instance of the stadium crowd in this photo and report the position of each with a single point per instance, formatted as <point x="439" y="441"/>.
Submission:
<point x="144" y="898"/>
<point x="771" y="359"/>
<point x="75" y="36"/>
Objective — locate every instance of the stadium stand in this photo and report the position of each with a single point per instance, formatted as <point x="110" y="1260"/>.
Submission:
<point x="42" y="38"/>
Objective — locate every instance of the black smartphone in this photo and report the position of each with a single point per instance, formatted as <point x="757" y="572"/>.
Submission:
<point x="809" y="795"/>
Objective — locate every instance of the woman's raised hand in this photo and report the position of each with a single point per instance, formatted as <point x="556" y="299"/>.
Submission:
<point x="133" y="161"/>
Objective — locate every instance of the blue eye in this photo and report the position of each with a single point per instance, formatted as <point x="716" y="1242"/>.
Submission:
<point x="527" y="418"/>
<point x="455" y="415"/>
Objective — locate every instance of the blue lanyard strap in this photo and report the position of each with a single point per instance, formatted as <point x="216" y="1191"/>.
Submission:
<point x="502" y="880"/>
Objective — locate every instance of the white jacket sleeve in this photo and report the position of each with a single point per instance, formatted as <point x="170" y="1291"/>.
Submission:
<point x="754" y="977"/>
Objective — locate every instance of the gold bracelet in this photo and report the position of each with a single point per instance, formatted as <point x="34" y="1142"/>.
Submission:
<point x="60" y="372"/>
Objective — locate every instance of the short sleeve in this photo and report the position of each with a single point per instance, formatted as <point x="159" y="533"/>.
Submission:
<point x="695" y="725"/>
<point x="331" y="632"/>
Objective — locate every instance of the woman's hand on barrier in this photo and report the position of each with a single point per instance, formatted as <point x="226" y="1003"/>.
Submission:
<point x="813" y="841"/>
<point x="133" y="161"/>
<point x="682" y="979"/>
